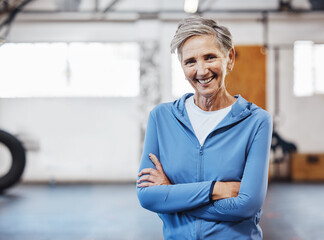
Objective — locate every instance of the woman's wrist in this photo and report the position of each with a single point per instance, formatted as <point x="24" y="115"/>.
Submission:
<point x="218" y="191"/>
<point x="223" y="190"/>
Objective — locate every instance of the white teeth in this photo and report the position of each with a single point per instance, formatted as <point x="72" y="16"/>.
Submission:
<point x="205" y="81"/>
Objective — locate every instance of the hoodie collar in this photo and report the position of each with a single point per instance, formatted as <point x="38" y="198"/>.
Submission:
<point x="240" y="109"/>
<point x="179" y="106"/>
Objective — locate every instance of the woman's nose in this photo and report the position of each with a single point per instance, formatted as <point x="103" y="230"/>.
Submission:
<point x="202" y="70"/>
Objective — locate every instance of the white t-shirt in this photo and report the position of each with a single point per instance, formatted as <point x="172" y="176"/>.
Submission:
<point x="203" y="122"/>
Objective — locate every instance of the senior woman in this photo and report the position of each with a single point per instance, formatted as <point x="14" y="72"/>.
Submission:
<point x="205" y="158"/>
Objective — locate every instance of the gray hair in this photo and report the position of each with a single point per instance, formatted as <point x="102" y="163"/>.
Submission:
<point x="197" y="26"/>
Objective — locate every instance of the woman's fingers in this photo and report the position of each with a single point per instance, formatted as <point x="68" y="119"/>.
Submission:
<point x="235" y="188"/>
<point x="145" y="178"/>
<point x="156" y="162"/>
<point x="150" y="171"/>
<point x="145" y="184"/>
<point x="152" y="177"/>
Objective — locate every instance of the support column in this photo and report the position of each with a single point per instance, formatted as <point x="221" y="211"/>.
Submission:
<point x="150" y="89"/>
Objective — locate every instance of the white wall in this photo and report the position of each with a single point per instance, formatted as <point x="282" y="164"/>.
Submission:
<point x="98" y="138"/>
<point x="301" y="118"/>
<point x="80" y="139"/>
<point x="95" y="139"/>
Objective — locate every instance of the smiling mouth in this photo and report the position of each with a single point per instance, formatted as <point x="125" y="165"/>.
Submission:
<point x="206" y="80"/>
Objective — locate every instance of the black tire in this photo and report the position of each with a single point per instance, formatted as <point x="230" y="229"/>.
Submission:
<point x="18" y="155"/>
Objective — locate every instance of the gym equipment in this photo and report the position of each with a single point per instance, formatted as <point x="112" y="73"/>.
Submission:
<point x="12" y="172"/>
<point x="282" y="151"/>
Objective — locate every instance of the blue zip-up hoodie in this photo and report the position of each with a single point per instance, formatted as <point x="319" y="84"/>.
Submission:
<point x="236" y="150"/>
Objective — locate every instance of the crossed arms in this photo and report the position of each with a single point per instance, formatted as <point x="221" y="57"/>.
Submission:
<point x="220" y="201"/>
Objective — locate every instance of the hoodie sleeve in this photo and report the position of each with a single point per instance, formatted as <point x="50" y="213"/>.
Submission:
<point x="253" y="185"/>
<point x="168" y="198"/>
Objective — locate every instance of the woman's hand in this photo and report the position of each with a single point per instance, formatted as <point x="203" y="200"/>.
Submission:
<point x="225" y="190"/>
<point x="152" y="177"/>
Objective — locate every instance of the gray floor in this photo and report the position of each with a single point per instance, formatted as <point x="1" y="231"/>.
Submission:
<point x="105" y="211"/>
<point x="294" y="212"/>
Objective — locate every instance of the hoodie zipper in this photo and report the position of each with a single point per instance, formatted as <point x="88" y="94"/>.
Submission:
<point x="200" y="162"/>
<point x="200" y="178"/>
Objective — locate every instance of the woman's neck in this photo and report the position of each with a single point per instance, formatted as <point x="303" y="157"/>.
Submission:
<point x="220" y="100"/>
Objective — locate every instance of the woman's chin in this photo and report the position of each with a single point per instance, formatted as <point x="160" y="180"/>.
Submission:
<point x="205" y="87"/>
<point x="208" y="89"/>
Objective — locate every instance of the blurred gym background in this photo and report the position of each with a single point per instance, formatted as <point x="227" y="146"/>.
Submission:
<point x="79" y="77"/>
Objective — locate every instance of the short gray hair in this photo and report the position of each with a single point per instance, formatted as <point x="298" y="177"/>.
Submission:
<point x="197" y="26"/>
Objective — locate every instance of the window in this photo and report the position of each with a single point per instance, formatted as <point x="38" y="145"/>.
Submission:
<point x="69" y="69"/>
<point x="180" y="85"/>
<point x="308" y="69"/>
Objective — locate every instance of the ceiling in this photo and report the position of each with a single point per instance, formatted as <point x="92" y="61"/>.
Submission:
<point x="156" y="6"/>
<point x="131" y="10"/>
<point x="146" y="5"/>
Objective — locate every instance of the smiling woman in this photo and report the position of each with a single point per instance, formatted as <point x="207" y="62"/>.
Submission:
<point x="205" y="158"/>
<point x="205" y="66"/>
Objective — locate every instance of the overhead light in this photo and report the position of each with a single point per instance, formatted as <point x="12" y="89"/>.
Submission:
<point x="191" y="6"/>
<point x="68" y="5"/>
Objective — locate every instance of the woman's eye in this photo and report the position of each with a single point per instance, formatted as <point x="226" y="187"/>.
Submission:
<point x="210" y="57"/>
<point x="189" y="62"/>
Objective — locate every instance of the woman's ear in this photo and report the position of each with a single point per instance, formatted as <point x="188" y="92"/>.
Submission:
<point x="231" y="59"/>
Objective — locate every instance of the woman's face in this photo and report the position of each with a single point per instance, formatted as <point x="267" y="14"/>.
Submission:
<point x="205" y="65"/>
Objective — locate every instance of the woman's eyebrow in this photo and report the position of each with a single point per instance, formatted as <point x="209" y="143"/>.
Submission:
<point x="188" y="59"/>
<point x="210" y="54"/>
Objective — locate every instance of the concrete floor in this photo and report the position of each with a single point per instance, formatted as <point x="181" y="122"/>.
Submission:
<point x="294" y="211"/>
<point x="105" y="211"/>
